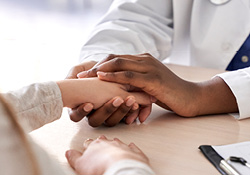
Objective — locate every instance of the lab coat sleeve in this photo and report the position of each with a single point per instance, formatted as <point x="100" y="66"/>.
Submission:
<point x="132" y="27"/>
<point x="36" y="104"/>
<point x="239" y="83"/>
<point x="129" y="167"/>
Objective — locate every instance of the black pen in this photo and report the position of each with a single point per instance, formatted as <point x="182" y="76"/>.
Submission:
<point x="239" y="160"/>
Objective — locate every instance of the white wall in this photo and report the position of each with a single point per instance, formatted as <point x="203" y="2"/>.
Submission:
<point x="40" y="40"/>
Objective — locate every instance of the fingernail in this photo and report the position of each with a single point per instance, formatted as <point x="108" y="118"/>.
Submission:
<point x="88" y="107"/>
<point x="82" y="74"/>
<point x="101" y="74"/>
<point x="117" y="102"/>
<point x="135" y="106"/>
<point x="68" y="153"/>
<point x="130" y="101"/>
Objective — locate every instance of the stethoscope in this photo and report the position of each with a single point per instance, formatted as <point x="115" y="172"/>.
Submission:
<point x="219" y="2"/>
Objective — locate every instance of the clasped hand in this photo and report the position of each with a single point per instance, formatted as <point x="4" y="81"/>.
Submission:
<point x="151" y="76"/>
<point x="113" y="111"/>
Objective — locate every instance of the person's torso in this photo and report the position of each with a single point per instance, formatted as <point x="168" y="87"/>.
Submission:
<point x="209" y="34"/>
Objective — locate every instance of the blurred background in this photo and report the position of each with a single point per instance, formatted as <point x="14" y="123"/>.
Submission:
<point x="40" y="40"/>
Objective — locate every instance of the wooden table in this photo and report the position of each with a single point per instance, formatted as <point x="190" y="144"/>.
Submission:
<point x="171" y="142"/>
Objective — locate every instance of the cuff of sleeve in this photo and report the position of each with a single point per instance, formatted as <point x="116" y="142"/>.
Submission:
<point x="238" y="82"/>
<point x="57" y="96"/>
<point x="129" y="167"/>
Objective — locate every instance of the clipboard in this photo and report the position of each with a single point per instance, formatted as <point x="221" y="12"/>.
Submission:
<point x="241" y="149"/>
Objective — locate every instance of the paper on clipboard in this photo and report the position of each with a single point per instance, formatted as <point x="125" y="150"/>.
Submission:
<point x="239" y="150"/>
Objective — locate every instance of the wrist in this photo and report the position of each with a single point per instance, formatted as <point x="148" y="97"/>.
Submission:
<point x="63" y="86"/>
<point x="71" y="92"/>
<point x="192" y="99"/>
<point x="216" y="97"/>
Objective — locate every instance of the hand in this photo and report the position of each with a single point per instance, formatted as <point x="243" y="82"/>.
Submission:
<point x="98" y="155"/>
<point x="77" y="91"/>
<point x="113" y="110"/>
<point x="147" y="73"/>
<point x="76" y="114"/>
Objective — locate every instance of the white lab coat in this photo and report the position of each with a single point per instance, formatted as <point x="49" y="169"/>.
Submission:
<point x="187" y="32"/>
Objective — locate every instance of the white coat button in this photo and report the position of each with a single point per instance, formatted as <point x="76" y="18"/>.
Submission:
<point x="244" y="59"/>
<point x="219" y="2"/>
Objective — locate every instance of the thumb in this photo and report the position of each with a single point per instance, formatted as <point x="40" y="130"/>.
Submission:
<point x="72" y="156"/>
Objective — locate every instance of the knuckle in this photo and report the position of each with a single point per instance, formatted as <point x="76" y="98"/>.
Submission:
<point x="118" y="61"/>
<point x="92" y="71"/>
<point x="129" y="74"/>
<point x="110" y="57"/>
<point x="147" y="54"/>
<point x="124" y="110"/>
<point x="108" y="110"/>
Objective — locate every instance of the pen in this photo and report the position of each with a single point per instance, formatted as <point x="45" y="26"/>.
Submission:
<point x="219" y="162"/>
<point x="239" y="160"/>
<point x="229" y="170"/>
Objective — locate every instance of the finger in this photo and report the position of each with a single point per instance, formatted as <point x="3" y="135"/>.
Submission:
<point x="132" y="57"/>
<point x="134" y="79"/>
<point x="85" y="109"/>
<point x="99" y="116"/>
<point x="122" y="111"/>
<point x="86" y="143"/>
<point x="74" y="116"/>
<point x="132" y="117"/>
<point x="125" y="77"/>
<point x="92" y="73"/>
<point x="135" y="148"/>
<point x="79" y="68"/>
<point x="135" y="107"/>
<point x="109" y="57"/>
<point x="144" y="113"/>
<point x="80" y="112"/>
<point x="137" y="57"/>
<point x="88" y="73"/>
<point x="121" y="64"/>
<point x="118" y="141"/>
<point x="117" y="63"/>
<point x="113" y="56"/>
<point x="103" y="137"/>
<point x="72" y="156"/>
